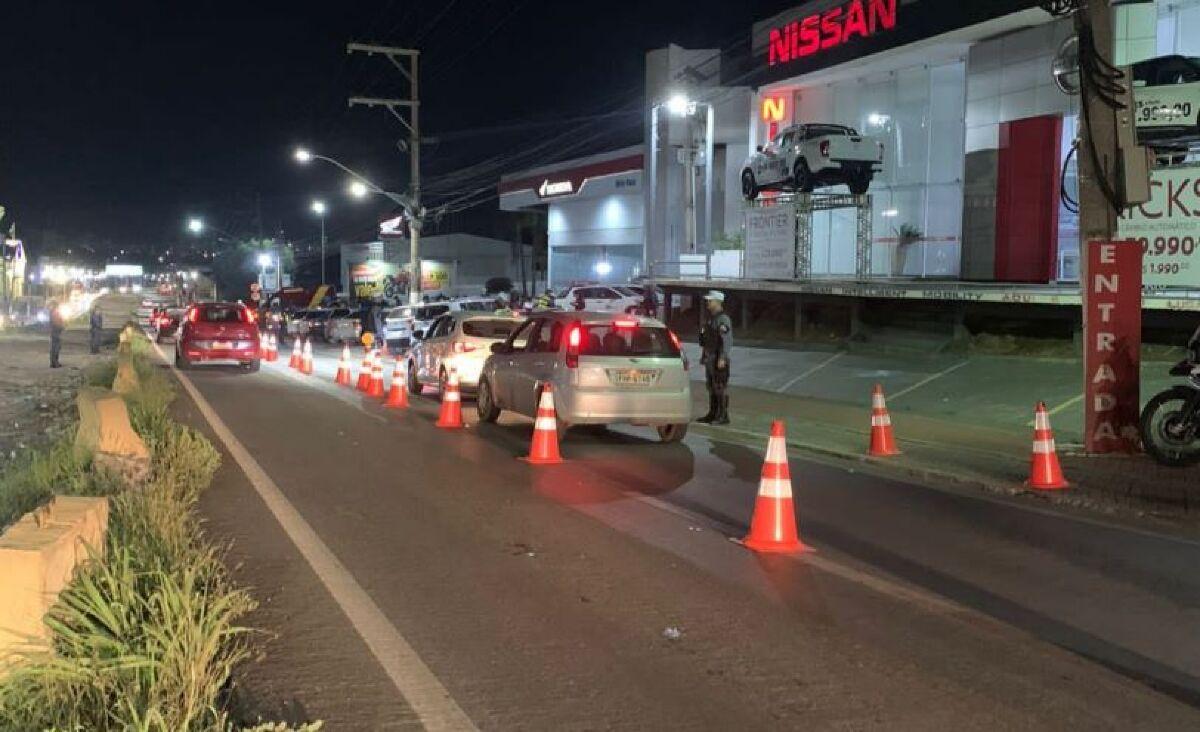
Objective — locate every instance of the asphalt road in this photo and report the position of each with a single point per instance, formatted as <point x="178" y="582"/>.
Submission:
<point x="550" y="598"/>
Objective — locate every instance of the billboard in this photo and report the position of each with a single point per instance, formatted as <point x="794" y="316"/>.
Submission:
<point x="771" y="243"/>
<point x="435" y="276"/>
<point x="371" y="279"/>
<point x="1168" y="228"/>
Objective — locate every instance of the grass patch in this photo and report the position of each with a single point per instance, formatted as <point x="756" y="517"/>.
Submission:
<point x="148" y="636"/>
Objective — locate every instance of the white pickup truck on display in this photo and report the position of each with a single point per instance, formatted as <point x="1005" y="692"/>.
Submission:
<point x="803" y="157"/>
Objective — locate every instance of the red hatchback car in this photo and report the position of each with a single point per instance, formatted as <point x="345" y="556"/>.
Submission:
<point x="218" y="331"/>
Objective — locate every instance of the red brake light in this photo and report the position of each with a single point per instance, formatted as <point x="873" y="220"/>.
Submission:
<point x="824" y="148"/>
<point x="193" y="315"/>
<point x="679" y="347"/>
<point x="625" y="324"/>
<point x="574" y="338"/>
<point x="248" y="315"/>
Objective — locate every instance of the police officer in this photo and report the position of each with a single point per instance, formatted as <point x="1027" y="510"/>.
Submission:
<point x="95" y="325"/>
<point x="57" y="325"/>
<point x="716" y="340"/>
<point x="545" y="301"/>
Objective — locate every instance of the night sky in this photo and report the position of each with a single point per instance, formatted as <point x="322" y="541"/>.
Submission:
<point x="119" y="120"/>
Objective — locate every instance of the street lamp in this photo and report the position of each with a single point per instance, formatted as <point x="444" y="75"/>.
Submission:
<point x="320" y="209"/>
<point x="360" y="186"/>
<point x="680" y="105"/>
<point x="195" y="225"/>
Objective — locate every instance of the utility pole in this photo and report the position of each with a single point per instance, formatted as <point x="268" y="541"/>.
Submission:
<point x="397" y="57"/>
<point x="1097" y="215"/>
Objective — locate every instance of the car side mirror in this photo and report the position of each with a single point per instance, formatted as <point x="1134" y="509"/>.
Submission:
<point x="500" y="349"/>
<point x="758" y="148"/>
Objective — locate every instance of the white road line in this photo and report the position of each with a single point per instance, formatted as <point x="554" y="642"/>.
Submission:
<point x="430" y="700"/>
<point x="1069" y="403"/>
<point x="809" y="373"/>
<point x="923" y="382"/>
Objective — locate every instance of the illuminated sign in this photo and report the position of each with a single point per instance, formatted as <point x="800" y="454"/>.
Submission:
<point x="774" y="109"/>
<point x="556" y="188"/>
<point x="397" y="227"/>
<point x="829" y="29"/>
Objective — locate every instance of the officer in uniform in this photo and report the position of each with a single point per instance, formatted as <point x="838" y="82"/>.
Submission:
<point x="716" y="340"/>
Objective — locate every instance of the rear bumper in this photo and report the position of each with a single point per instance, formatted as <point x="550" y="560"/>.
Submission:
<point x="609" y="407"/>
<point x="241" y="355"/>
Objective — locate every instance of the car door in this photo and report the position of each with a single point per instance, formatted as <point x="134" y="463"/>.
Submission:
<point x="537" y="365"/>
<point x="505" y="366"/>
<point x="772" y="163"/>
<point x="437" y="345"/>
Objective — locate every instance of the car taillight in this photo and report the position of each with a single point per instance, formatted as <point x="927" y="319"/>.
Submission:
<point x="625" y="324"/>
<point x="574" y="338"/>
<point x="824" y="148"/>
<point x="679" y="347"/>
<point x="247" y="315"/>
<point x="461" y="347"/>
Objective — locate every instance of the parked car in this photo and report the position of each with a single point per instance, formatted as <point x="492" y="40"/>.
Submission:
<point x="342" y="326"/>
<point x="807" y="156"/>
<point x="603" y="369"/>
<point x="461" y="341"/>
<point x="297" y="323"/>
<point x="598" y="299"/>
<point x="407" y="323"/>
<point x="218" y="331"/>
<point x="314" y="322"/>
<point x="166" y="323"/>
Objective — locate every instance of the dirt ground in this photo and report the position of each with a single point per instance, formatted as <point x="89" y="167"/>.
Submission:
<point x="37" y="402"/>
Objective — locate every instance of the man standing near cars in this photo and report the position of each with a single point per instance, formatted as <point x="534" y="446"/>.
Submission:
<point x="716" y="341"/>
<point x="57" y="325"/>
<point x="95" y="325"/>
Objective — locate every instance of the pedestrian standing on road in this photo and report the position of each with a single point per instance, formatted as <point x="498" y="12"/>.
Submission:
<point x="57" y="325"/>
<point x="716" y="341"/>
<point x="95" y="325"/>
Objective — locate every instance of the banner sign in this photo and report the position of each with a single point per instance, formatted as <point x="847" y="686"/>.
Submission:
<point x="771" y="243"/>
<point x="1168" y="228"/>
<point x="370" y="279"/>
<point x="435" y="276"/>
<point x="1112" y="331"/>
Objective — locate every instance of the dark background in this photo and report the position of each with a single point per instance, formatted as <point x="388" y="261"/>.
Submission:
<point x="120" y="120"/>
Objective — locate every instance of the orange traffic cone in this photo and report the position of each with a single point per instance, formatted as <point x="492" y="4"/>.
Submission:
<point x="306" y="360"/>
<point x="544" y="450"/>
<point x="364" y="372"/>
<point x="294" y="361"/>
<point x="450" y="416"/>
<point x="1045" y="473"/>
<point x="398" y="395"/>
<point x="343" y="373"/>
<point x="272" y="348"/>
<point x="375" y="389"/>
<point x="773" y="528"/>
<point x="883" y="442"/>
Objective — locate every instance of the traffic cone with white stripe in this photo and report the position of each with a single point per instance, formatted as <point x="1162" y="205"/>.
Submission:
<point x="343" y="373"/>
<point x="883" y="441"/>
<point x="364" y="372"/>
<point x="398" y="394"/>
<point x="1045" y="473"/>
<point x="297" y="356"/>
<point x="773" y="528"/>
<point x="450" y="415"/>
<point x="375" y="389"/>
<point x="272" y="348"/>
<point x="544" y="450"/>
<point x="306" y="359"/>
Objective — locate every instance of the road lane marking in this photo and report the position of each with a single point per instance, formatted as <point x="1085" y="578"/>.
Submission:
<point x="1065" y="405"/>
<point x="414" y="681"/>
<point x="923" y="382"/>
<point x="810" y="372"/>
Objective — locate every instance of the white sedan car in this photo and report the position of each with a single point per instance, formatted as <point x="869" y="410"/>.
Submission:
<point x="598" y="299"/>
<point x="459" y="341"/>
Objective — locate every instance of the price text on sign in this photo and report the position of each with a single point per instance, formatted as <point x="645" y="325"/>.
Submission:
<point x="1168" y="228"/>
<point x="1112" y="329"/>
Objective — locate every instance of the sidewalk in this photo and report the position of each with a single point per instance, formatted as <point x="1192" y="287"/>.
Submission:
<point x="991" y="456"/>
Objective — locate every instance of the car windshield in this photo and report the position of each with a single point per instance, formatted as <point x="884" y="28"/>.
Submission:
<point x="606" y="339"/>
<point x="221" y="314"/>
<point x="431" y="312"/>
<point x="319" y="315"/>
<point x="497" y="328"/>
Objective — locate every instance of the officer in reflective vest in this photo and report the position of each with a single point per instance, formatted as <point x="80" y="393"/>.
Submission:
<point x="716" y="341"/>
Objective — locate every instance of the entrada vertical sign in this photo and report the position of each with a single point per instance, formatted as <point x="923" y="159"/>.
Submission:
<point x="1112" y="327"/>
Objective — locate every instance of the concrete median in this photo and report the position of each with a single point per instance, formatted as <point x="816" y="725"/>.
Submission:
<point x="106" y="434"/>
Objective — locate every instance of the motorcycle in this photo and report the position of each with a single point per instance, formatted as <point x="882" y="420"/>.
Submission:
<point x="1170" y="423"/>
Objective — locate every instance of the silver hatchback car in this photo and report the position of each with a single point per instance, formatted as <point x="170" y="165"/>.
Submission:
<point x="605" y="368"/>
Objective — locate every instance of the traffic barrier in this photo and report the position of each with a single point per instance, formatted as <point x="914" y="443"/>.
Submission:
<point x="306" y="361"/>
<point x="883" y="441"/>
<point x="364" y="372"/>
<point x="375" y="388"/>
<point x="1045" y="472"/>
<point x="297" y="357"/>
<point x="544" y="450"/>
<point x="268" y="348"/>
<point x="343" y="373"/>
<point x="398" y="394"/>
<point x="773" y="527"/>
<point x="450" y="415"/>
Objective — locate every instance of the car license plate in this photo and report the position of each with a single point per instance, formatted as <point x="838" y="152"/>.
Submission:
<point x="632" y="377"/>
<point x="222" y="346"/>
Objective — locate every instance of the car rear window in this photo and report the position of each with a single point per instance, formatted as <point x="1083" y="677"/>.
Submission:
<point x="489" y="328"/>
<point x="602" y="339"/>
<point x="220" y="314"/>
<point x="431" y="312"/>
<point x="481" y="306"/>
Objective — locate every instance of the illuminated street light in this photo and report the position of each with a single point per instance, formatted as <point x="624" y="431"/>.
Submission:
<point x="303" y="155"/>
<point x="319" y="208"/>
<point x="680" y="106"/>
<point x="264" y="260"/>
<point x="358" y="189"/>
<point x="195" y="225"/>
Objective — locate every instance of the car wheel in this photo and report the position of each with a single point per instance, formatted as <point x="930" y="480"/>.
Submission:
<point x="749" y="186"/>
<point x="414" y="384"/>
<point x="858" y="183"/>
<point x="802" y="178"/>
<point x="668" y="433"/>
<point x="253" y="366"/>
<point x="485" y="403"/>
